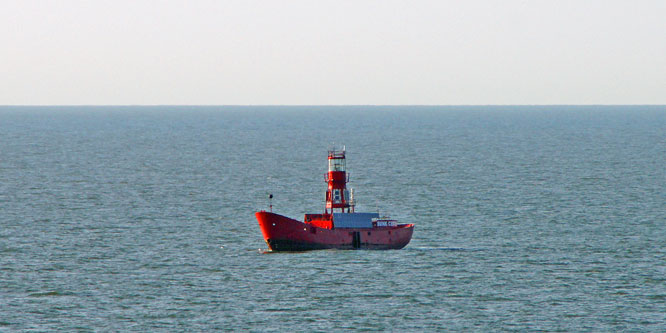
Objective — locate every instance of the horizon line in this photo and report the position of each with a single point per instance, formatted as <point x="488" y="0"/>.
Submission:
<point x="305" y="105"/>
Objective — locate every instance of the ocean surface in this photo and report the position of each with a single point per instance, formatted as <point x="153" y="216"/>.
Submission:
<point x="528" y="218"/>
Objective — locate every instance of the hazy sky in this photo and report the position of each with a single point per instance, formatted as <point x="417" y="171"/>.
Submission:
<point x="333" y="52"/>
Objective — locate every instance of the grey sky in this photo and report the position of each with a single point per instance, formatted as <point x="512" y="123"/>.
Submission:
<point x="333" y="52"/>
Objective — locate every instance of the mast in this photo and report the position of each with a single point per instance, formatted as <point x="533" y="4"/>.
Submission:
<point x="337" y="195"/>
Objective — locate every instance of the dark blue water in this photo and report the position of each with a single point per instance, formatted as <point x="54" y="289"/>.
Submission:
<point x="141" y="218"/>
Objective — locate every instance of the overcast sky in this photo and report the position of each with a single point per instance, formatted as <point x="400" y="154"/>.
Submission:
<point x="332" y="52"/>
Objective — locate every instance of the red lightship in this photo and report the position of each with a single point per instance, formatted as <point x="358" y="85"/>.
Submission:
<point x="345" y="229"/>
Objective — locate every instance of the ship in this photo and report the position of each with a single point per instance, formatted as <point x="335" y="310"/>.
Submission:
<point x="339" y="226"/>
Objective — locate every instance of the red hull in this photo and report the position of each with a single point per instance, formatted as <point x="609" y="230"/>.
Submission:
<point x="285" y="234"/>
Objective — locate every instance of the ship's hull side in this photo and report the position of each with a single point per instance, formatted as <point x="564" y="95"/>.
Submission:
<point x="285" y="234"/>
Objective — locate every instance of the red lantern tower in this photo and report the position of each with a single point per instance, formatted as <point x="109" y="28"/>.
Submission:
<point x="337" y="195"/>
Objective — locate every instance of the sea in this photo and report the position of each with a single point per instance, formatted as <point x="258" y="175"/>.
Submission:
<point x="141" y="218"/>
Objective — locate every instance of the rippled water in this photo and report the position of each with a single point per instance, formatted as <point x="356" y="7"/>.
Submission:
<point x="141" y="218"/>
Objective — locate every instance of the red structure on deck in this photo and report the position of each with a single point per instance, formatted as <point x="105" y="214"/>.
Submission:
<point x="337" y="196"/>
<point x="339" y="227"/>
